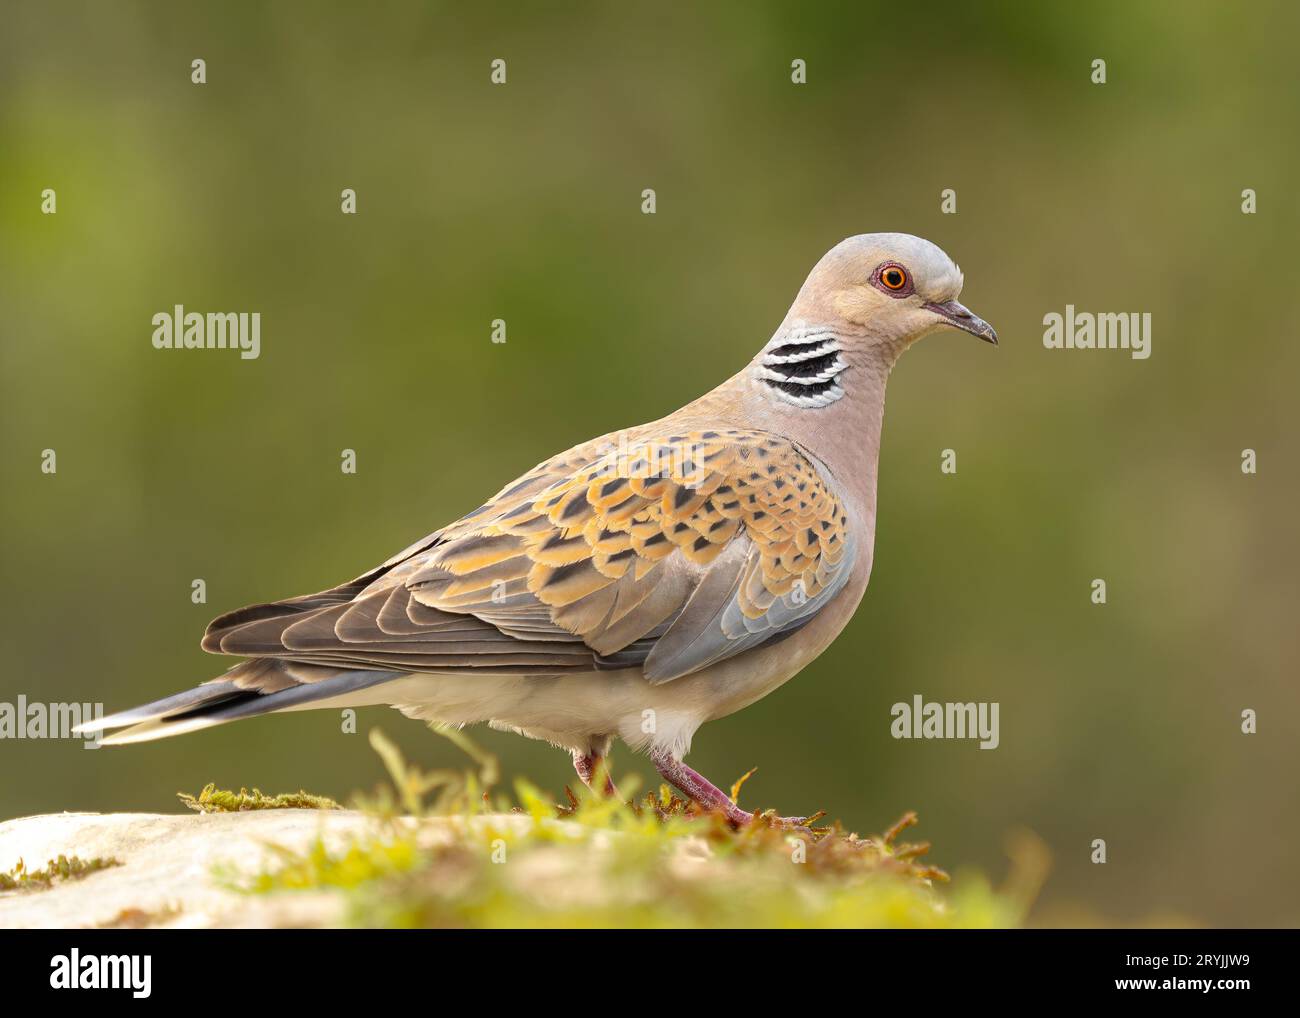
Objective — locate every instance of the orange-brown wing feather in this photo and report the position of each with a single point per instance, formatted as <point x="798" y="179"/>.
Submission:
<point x="591" y="560"/>
<point x="648" y="515"/>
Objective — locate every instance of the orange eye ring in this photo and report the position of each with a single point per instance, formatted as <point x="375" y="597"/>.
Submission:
<point x="893" y="277"/>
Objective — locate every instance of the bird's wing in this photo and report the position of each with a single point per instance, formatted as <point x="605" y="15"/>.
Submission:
<point x="664" y="549"/>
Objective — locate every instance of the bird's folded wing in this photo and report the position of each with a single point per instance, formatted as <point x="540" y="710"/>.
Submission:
<point x="669" y="550"/>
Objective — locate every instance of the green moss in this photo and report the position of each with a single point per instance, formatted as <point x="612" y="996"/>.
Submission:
<point x="361" y="862"/>
<point x="215" y="800"/>
<point x="64" y="868"/>
<point x="593" y="861"/>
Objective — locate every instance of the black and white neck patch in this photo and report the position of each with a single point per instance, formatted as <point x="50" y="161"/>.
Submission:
<point x="802" y="366"/>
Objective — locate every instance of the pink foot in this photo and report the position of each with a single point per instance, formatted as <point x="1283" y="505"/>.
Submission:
<point x="587" y="765"/>
<point x="698" y="788"/>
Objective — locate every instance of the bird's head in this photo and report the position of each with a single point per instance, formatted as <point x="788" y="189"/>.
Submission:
<point x="890" y="287"/>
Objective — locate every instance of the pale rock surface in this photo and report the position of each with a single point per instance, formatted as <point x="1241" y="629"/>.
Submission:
<point x="166" y="876"/>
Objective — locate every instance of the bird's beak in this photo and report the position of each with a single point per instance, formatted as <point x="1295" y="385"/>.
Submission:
<point x="960" y="317"/>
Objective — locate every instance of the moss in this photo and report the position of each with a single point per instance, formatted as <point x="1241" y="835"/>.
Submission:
<point x="594" y="861"/>
<point x="215" y="800"/>
<point x="318" y="868"/>
<point x="64" y="868"/>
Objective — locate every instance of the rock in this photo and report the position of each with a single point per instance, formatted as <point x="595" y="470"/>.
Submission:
<point x="603" y="866"/>
<point x="166" y="877"/>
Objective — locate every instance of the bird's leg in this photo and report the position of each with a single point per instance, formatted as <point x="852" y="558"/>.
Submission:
<point x="588" y="764"/>
<point x="697" y="787"/>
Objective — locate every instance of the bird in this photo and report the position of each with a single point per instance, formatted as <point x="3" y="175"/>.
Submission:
<point x="634" y="586"/>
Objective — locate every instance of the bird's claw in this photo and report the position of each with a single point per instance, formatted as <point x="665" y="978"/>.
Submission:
<point x="770" y="818"/>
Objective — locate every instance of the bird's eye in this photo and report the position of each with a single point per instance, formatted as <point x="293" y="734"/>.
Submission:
<point x="893" y="277"/>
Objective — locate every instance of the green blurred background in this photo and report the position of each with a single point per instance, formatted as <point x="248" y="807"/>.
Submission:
<point x="522" y="202"/>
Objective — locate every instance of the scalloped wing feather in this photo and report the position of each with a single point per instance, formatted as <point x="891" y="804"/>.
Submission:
<point x="672" y="550"/>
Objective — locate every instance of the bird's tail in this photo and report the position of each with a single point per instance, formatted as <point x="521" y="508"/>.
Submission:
<point x="253" y="687"/>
